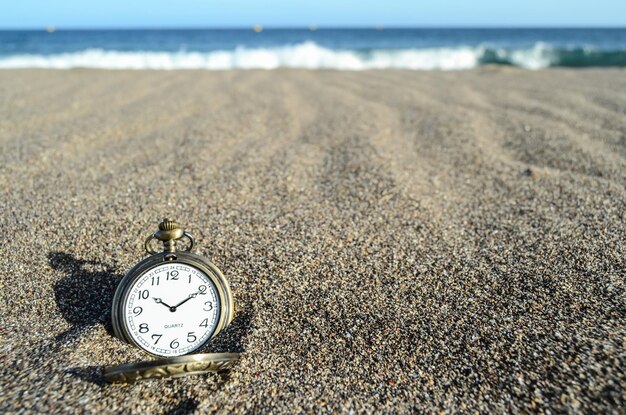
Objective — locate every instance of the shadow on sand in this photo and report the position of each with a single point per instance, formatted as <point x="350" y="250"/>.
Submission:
<point x="84" y="297"/>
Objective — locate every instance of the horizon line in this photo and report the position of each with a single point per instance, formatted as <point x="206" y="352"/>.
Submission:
<point x="312" y="25"/>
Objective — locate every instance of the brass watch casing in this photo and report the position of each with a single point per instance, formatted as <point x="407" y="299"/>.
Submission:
<point x="171" y="255"/>
<point x="173" y="367"/>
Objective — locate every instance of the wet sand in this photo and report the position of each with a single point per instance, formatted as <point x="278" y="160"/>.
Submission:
<point x="396" y="241"/>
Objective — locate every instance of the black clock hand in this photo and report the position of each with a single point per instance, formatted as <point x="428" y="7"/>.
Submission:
<point x="159" y="301"/>
<point x="186" y="299"/>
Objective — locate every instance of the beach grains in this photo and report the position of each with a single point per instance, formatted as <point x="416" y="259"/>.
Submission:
<point x="395" y="242"/>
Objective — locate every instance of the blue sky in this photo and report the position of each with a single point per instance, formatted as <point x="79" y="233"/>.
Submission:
<point x="283" y="13"/>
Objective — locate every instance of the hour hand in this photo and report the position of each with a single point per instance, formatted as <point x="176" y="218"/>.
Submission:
<point x="159" y="301"/>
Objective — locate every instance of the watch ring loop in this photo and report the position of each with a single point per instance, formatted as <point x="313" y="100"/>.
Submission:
<point x="153" y="236"/>
<point x="147" y="245"/>
<point x="191" y="241"/>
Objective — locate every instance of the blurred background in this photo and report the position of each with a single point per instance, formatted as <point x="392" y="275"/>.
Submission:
<point x="345" y="35"/>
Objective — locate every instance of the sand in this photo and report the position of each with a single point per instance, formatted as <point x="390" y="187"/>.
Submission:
<point x="397" y="242"/>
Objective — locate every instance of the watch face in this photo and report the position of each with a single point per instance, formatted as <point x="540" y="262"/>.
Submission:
<point x="171" y="309"/>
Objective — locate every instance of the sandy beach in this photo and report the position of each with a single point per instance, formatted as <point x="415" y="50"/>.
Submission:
<point x="396" y="241"/>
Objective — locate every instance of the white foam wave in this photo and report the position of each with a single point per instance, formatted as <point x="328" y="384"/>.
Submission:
<point x="541" y="55"/>
<point x="306" y="55"/>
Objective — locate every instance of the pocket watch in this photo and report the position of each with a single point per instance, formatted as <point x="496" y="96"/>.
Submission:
<point x="170" y="305"/>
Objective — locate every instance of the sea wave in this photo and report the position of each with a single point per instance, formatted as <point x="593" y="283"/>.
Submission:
<point x="309" y="55"/>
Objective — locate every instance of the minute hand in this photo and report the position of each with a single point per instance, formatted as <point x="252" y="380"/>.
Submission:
<point x="186" y="299"/>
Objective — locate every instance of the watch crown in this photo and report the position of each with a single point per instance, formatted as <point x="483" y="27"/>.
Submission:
<point x="169" y="232"/>
<point x="168" y="225"/>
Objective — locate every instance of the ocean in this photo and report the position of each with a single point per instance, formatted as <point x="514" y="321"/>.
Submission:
<point x="311" y="48"/>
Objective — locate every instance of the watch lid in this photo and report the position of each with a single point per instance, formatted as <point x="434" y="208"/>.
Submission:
<point x="171" y="367"/>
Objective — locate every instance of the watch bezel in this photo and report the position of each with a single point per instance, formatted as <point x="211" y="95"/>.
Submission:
<point x="187" y="258"/>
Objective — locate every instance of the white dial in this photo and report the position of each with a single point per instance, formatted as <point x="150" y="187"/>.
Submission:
<point x="172" y="309"/>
